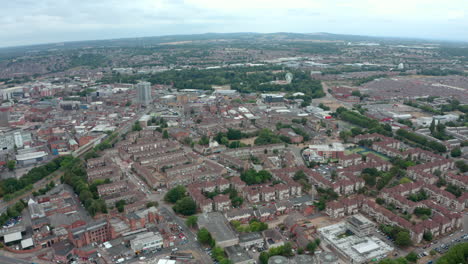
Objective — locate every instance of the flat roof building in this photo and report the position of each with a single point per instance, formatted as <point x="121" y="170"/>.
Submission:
<point x="219" y="228"/>
<point x="352" y="247"/>
<point x="360" y="225"/>
<point x="146" y="241"/>
<point x="237" y="255"/>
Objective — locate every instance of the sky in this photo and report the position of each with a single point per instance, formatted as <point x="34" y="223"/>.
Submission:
<point x="25" y="22"/>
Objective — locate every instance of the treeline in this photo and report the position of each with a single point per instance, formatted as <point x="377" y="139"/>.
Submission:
<point x="440" y="72"/>
<point x="368" y="79"/>
<point x="426" y="108"/>
<point x="75" y="176"/>
<point x="234" y="135"/>
<point x="284" y="250"/>
<point x="421" y="140"/>
<point x="12" y="211"/>
<point x="242" y="79"/>
<point x="12" y="187"/>
<point x="456" y="254"/>
<point x="88" y="59"/>
<point x="346" y="69"/>
<point x="363" y="121"/>
<point x="251" y="176"/>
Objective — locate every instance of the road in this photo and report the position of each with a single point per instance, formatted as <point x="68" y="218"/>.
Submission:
<point x="8" y="260"/>
<point x="165" y="209"/>
<point x="192" y="244"/>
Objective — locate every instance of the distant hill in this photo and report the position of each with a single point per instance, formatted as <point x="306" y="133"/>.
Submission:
<point x="204" y="38"/>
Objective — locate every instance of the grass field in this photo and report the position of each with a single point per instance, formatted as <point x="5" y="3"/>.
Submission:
<point x="363" y="151"/>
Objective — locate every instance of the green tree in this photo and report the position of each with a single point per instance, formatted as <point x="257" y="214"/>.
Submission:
<point x="136" y="126"/>
<point x="120" y="205"/>
<point x="412" y="257"/>
<point x="185" y="206"/>
<point x="204" y="140"/>
<point x="311" y="247"/>
<point x="456" y="152"/>
<point x="205" y="237"/>
<point x="175" y="194"/>
<point x="191" y="221"/>
<point x="456" y="254"/>
<point x="234" y="134"/>
<point x="11" y="165"/>
<point x="237" y="201"/>
<point x="165" y="134"/>
<point x="403" y="239"/>
<point x="427" y="236"/>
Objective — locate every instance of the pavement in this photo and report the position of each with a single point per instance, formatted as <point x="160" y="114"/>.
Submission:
<point x="8" y="260"/>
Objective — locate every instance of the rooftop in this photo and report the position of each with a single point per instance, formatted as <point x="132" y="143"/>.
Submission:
<point x="216" y="224"/>
<point x="359" y="249"/>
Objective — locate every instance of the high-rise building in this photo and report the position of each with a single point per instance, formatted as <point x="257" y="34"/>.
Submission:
<point x="4" y="116"/>
<point x="144" y="93"/>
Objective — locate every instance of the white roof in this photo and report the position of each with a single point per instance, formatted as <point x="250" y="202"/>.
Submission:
<point x="13" y="237"/>
<point x="366" y="247"/>
<point x="31" y="155"/>
<point x="166" y="261"/>
<point x="107" y="245"/>
<point x="28" y="242"/>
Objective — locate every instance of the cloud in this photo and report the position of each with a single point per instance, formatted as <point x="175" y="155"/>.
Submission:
<point x="31" y="21"/>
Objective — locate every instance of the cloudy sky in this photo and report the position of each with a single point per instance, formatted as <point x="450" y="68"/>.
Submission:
<point x="26" y="22"/>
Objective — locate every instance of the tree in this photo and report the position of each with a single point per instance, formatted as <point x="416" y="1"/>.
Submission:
<point x="205" y="237"/>
<point x="456" y="152"/>
<point x="136" y="126"/>
<point x="185" y="206"/>
<point x="237" y="201"/>
<point x="234" y="134"/>
<point x="251" y="176"/>
<point x="345" y="135"/>
<point x="11" y="165"/>
<point x="191" y="221"/>
<point x="120" y="205"/>
<point x="165" y="134"/>
<point x="380" y="200"/>
<point x="369" y="179"/>
<point x="412" y="257"/>
<point x="311" y="246"/>
<point x="461" y="165"/>
<point x="403" y="239"/>
<point x="432" y="126"/>
<point x="175" y="194"/>
<point x="456" y="254"/>
<point x="204" y="140"/>
<point x="299" y="175"/>
<point x="427" y="236"/>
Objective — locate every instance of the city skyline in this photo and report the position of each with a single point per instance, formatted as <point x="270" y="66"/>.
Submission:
<point x="53" y="21"/>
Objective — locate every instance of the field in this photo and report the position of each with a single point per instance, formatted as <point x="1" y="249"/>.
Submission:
<point x="365" y="151"/>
